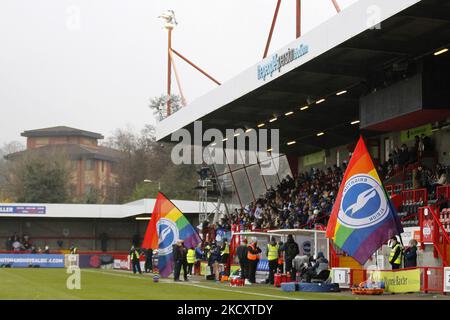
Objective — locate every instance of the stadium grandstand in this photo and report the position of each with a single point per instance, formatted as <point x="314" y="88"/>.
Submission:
<point x="381" y="74"/>
<point x="384" y="79"/>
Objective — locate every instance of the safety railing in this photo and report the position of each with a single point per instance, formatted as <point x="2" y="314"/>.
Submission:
<point x="389" y="189"/>
<point x="432" y="230"/>
<point x="394" y="188"/>
<point x="334" y="257"/>
<point x="415" y="196"/>
<point x="432" y="279"/>
<point x="443" y="191"/>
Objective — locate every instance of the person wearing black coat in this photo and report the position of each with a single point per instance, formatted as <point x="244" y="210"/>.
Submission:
<point x="180" y="260"/>
<point x="149" y="261"/>
<point x="291" y="250"/>
<point x="241" y="253"/>
<point x="410" y="254"/>
<point x="214" y="259"/>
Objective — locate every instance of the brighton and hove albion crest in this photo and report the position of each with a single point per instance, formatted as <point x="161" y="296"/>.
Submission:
<point x="363" y="202"/>
<point x="167" y="234"/>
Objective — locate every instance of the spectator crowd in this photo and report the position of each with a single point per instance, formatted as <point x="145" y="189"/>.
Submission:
<point x="23" y="243"/>
<point x="306" y="200"/>
<point x="302" y="202"/>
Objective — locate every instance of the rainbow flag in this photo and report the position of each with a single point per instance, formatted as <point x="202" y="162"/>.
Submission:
<point x="166" y="227"/>
<point x="363" y="217"/>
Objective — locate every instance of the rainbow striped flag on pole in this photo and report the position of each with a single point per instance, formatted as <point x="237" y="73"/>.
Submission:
<point x="363" y="217"/>
<point x="166" y="227"/>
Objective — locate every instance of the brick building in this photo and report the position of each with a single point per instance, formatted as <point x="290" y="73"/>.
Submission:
<point x="92" y="166"/>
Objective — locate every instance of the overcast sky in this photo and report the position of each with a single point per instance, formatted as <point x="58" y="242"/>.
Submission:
<point x="94" y="64"/>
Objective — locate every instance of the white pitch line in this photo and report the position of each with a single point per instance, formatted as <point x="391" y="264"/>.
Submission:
<point x="192" y="284"/>
<point x="243" y="292"/>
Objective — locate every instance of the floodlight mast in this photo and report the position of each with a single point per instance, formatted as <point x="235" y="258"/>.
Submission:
<point x="298" y="23"/>
<point x="169" y="24"/>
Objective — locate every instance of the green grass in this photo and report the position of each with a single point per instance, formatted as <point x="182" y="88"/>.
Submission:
<point x="102" y="284"/>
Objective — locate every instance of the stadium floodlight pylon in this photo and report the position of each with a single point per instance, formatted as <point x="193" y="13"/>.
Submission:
<point x="298" y="24"/>
<point x="169" y="25"/>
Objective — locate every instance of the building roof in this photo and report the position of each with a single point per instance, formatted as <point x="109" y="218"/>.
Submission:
<point x="61" y="131"/>
<point x="116" y="211"/>
<point x="74" y="152"/>
<point x="343" y="53"/>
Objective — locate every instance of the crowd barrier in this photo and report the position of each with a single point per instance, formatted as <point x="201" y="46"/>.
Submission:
<point x="419" y="279"/>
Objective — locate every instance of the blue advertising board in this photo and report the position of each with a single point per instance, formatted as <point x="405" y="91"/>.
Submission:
<point x="27" y="260"/>
<point x="22" y="209"/>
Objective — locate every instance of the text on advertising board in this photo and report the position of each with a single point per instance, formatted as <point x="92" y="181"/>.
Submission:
<point x="23" y="209"/>
<point x="276" y="62"/>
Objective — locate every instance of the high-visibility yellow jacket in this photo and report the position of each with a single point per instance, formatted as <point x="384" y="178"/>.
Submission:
<point x="190" y="256"/>
<point x="272" y="252"/>
<point x="398" y="260"/>
<point x="226" y="250"/>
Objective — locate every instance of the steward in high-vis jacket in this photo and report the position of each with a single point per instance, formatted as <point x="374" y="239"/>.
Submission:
<point x="272" y="256"/>
<point x="134" y="257"/>
<point x="225" y="251"/>
<point x="395" y="256"/>
<point x="190" y="260"/>
<point x="253" y="257"/>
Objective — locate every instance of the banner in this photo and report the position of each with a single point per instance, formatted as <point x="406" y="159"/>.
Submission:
<point x="363" y="217"/>
<point x="121" y="264"/>
<point x="35" y="260"/>
<point x="23" y="209"/>
<point x="408" y="135"/>
<point x="428" y="228"/>
<point x="314" y="158"/>
<point x="167" y="226"/>
<point x="397" y="281"/>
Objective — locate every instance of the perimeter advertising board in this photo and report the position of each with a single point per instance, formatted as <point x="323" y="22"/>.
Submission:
<point x="32" y="260"/>
<point x="397" y="281"/>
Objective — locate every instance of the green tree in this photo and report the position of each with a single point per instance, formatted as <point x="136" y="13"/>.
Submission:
<point x="40" y="178"/>
<point x="92" y="197"/>
<point x="147" y="159"/>
<point x="144" y="190"/>
<point x="8" y="148"/>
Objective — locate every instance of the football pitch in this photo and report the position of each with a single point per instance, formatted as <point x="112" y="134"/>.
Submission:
<point x="30" y="283"/>
<point x="96" y="284"/>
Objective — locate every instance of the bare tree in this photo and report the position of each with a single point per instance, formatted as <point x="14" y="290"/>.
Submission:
<point x="147" y="159"/>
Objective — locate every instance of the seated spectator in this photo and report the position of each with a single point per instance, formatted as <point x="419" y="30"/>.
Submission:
<point x="440" y="178"/>
<point x="320" y="264"/>
<point x="26" y="242"/>
<point x="17" y="246"/>
<point x="301" y="265"/>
